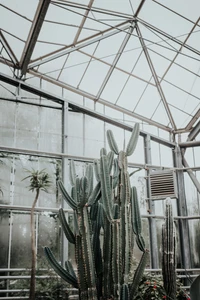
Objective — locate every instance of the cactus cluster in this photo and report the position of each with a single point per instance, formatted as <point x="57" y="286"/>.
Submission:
<point x="106" y="219"/>
<point x="168" y="253"/>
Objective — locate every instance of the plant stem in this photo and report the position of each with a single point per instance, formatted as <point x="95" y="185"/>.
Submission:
<point x="33" y="249"/>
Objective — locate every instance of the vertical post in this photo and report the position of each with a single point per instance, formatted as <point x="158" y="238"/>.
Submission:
<point x="152" y="221"/>
<point x="64" y="243"/>
<point x="182" y="211"/>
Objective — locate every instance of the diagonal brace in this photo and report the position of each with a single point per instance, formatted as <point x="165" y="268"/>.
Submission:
<point x="159" y="88"/>
<point x="8" y="49"/>
<point x="33" y="34"/>
<point x="117" y="57"/>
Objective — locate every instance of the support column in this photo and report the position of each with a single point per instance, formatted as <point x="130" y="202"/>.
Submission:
<point x="152" y="221"/>
<point x="182" y="211"/>
<point x="65" y="172"/>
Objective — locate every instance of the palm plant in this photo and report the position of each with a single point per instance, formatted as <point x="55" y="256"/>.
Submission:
<point x="39" y="181"/>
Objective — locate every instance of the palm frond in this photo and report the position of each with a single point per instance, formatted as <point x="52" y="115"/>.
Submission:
<point x="39" y="180"/>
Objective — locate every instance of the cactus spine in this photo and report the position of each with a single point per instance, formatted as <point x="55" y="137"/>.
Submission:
<point x="103" y="264"/>
<point x="168" y="252"/>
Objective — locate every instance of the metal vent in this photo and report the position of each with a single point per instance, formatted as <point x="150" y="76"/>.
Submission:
<point x="163" y="184"/>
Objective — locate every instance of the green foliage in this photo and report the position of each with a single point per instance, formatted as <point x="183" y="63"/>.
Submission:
<point x="39" y="180"/>
<point x="103" y="266"/>
<point x="151" y="288"/>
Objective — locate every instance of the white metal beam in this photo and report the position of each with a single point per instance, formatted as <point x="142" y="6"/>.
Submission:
<point x="102" y="101"/>
<point x="159" y="88"/>
<point x="45" y="94"/>
<point x="8" y="49"/>
<point x="194" y="132"/>
<point x="170" y="37"/>
<point x="83" y="22"/>
<point x="193" y="120"/>
<point x="116" y="59"/>
<point x="33" y="34"/>
<point x="86" y="42"/>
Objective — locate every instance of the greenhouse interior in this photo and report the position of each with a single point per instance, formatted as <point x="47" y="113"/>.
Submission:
<point x="99" y="149"/>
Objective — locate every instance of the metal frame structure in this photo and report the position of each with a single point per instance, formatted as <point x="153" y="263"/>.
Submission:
<point x="129" y="25"/>
<point x="28" y="65"/>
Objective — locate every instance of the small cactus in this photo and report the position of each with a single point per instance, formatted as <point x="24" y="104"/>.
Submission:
<point x="168" y="253"/>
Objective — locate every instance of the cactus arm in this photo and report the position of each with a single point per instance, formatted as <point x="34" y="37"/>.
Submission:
<point x="105" y="187"/>
<point x="124" y="293"/>
<point x="66" y="196"/>
<point x="107" y="252"/>
<point x="96" y="170"/>
<point x="168" y="253"/>
<point x="136" y="218"/>
<point x="76" y="229"/>
<point x="58" y="269"/>
<point x="127" y="252"/>
<point x="111" y="141"/>
<point x="103" y="151"/>
<point x="110" y="158"/>
<point x="140" y="242"/>
<point x="70" y="269"/>
<point x="138" y="274"/>
<point x="72" y="172"/>
<point x="65" y="226"/>
<point x="95" y="195"/>
<point x="133" y="140"/>
<point x="97" y="247"/>
<point x="115" y="173"/>
<point x="89" y="175"/>
<point x="88" y="255"/>
<point x="124" y="194"/>
<point x="80" y="267"/>
<point x="77" y="190"/>
<point x="83" y="191"/>
<point x="116" y="257"/>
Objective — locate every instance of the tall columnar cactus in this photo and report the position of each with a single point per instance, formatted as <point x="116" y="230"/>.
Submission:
<point x="106" y="219"/>
<point x="168" y="253"/>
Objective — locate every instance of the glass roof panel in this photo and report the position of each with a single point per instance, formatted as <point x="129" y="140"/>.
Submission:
<point x="82" y="44"/>
<point x="159" y="17"/>
<point x="187" y="9"/>
<point x="123" y="6"/>
<point x="160" y="115"/>
<point x="94" y="77"/>
<point x="131" y="93"/>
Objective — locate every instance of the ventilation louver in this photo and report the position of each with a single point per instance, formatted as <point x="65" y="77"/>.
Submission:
<point x="163" y="184"/>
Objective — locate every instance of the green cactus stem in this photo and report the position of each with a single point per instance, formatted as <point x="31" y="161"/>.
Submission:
<point x="138" y="274"/>
<point x="67" y="230"/>
<point x="72" y="172"/>
<point x="168" y="252"/>
<point x="70" y="269"/>
<point x="106" y="187"/>
<point x="124" y="293"/>
<point x="135" y="211"/>
<point x="64" y="274"/>
<point x="111" y="141"/>
<point x="133" y="140"/>
<point x="66" y="196"/>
